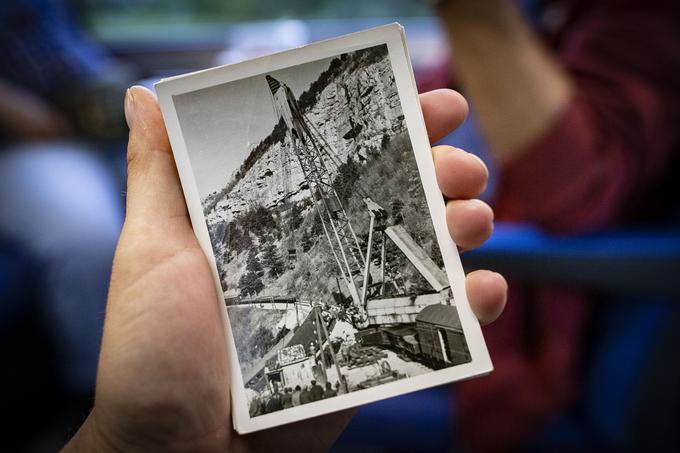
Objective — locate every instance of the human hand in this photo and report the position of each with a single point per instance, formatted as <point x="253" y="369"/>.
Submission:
<point x="163" y="381"/>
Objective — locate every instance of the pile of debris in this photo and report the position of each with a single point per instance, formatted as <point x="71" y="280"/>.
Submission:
<point x="357" y="356"/>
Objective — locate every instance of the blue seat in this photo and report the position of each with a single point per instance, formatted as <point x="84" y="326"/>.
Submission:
<point x="641" y="261"/>
<point x="629" y="373"/>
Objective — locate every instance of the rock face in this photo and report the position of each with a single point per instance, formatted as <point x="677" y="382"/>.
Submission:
<point x="352" y="115"/>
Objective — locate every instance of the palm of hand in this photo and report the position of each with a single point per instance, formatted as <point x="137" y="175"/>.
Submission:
<point x="163" y="358"/>
<point x="166" y="367"/>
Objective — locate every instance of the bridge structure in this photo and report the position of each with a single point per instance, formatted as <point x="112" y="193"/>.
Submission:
<point x="268" y="302"/>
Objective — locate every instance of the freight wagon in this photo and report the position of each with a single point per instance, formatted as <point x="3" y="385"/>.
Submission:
<point x="440" y="335"/>
<point x="435" y="338"/>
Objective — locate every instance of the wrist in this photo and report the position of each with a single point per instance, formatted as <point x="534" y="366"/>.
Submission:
<point x="99" y="434"/>
<point x="89" y="438"/>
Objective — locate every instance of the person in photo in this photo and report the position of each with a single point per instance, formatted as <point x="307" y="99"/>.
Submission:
<point x="287" y="398"/>
<point x="296" y="396"/>
<point x="316" y="392"/>
<point x="329" y="392"/>
<point x="275" y="402"/>
<point x="305" y="395"/>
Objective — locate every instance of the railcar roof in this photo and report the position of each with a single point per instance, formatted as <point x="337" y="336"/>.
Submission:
<point x="440" y="314"/>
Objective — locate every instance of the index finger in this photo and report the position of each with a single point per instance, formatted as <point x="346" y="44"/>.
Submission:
<point x="444" y="110"/>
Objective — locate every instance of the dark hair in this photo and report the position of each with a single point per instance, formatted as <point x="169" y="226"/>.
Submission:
<point x="298" y="388"/>
<point x="328" y="385"/>
<point x="313" y="382"/>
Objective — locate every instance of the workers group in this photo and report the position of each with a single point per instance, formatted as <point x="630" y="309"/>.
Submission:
<point x="290" y="397"/>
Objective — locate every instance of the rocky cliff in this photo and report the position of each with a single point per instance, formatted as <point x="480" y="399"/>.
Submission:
<point x="353" y="114"/>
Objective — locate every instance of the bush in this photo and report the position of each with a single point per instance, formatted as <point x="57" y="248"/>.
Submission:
<point x="346" y="179"/>
<point x="263" y="340"/>
<point x="272" y="261"/>
<point x="253" y="264"/>
<point x="250" y="284"/>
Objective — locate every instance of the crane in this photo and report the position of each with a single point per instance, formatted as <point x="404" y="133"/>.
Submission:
<point x="317" y="160"/>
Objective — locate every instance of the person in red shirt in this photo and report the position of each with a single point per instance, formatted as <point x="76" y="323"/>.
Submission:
<point x="580" y="110"/>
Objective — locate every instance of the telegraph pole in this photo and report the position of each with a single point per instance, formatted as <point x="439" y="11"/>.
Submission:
<point x="319" y="323"/>
<point x="343" y="384"/>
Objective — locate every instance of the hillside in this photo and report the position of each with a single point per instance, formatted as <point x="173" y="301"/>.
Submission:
<point x="265" y="211"/>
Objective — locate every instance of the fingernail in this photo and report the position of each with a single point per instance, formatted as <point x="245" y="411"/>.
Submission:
<point x="129" y="108"/>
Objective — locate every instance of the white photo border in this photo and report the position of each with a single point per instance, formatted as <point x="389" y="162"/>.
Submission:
<point x="393" y="36"/>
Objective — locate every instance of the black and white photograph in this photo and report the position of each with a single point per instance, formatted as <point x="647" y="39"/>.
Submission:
<point x="330" y="269"/>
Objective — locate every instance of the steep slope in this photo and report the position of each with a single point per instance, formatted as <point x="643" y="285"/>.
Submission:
<point x="354" y="109"/>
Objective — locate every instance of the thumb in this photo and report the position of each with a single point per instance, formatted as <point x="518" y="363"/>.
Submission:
<point x="154" y="193"/>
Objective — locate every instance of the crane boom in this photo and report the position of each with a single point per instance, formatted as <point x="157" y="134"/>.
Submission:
<point x="314" y="156"/>
<point x="314" y="159"/>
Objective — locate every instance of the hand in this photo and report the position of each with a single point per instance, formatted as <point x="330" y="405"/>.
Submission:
<point x="163" y="370"/>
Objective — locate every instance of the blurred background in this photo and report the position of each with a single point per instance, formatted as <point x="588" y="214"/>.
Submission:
<point x="575" y="107"/>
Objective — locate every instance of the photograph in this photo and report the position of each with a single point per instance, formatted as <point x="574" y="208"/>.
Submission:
<point x="330" y="269"/>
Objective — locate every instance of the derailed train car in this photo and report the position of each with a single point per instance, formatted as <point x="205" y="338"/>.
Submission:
<point x="435" y="338"/>
<point x="440" y="335"/>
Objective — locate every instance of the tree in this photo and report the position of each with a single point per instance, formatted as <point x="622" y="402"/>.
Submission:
<point x="272" y="261"/>
<point x="250" y="284"/>
<point x="253" y="265"/>
<point x="263" y="221"/>
<point x="346" y="180"/>
<point x="306" y="242"/>
<point x="240" y="239"/>
<point x="263" y="339"/>
<point x="296" y="216"/>
<point x="258" y="220"/>
<point x="316" y="230"/>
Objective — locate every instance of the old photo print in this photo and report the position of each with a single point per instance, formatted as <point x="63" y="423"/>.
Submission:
<point x="302" y="175"/>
